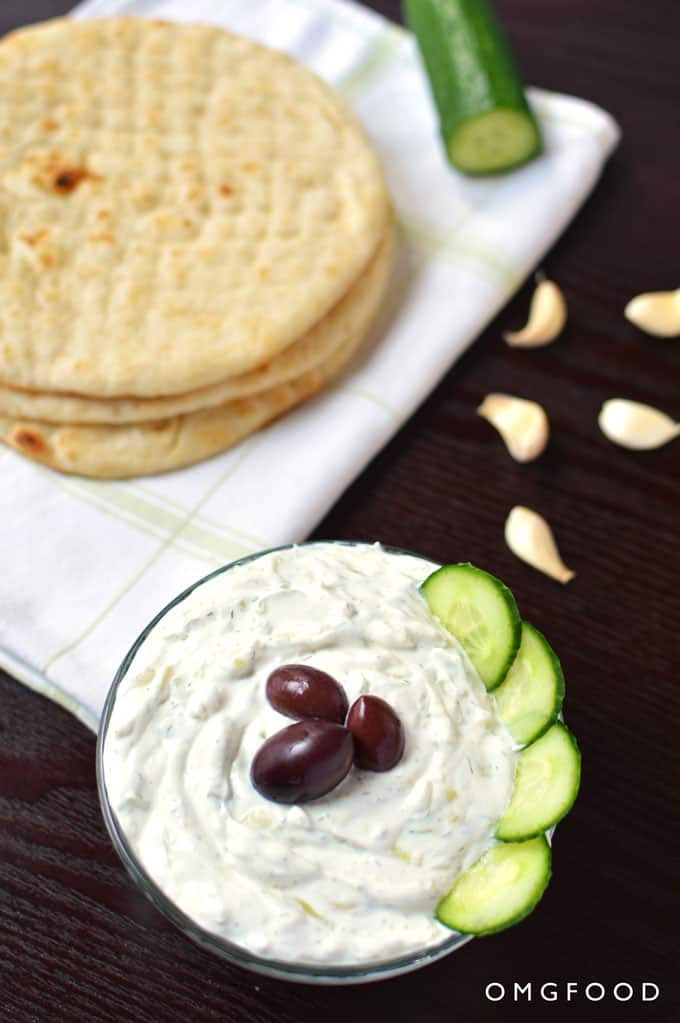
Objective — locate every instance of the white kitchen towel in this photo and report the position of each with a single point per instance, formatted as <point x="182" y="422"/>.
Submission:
<point x="86" y="563"/>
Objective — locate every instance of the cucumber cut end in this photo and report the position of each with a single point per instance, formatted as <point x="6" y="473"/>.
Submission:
<point x="546" y="785"/>
<point x="492" y="142"/>
<point x="501" y="888"/>
<point x="480" y="612"/>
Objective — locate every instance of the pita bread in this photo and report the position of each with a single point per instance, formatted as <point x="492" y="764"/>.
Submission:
<point x="351" y="316"/>
<point x="177" y="206"/>
<point x="139" y="449"/>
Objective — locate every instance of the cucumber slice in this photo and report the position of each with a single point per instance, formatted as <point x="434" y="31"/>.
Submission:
<point x="531" y="695"/>
<point x="480" y="611"/>
<point x="501" y="888"/>
<point x="546" y="785"/>
<point x="485" y="121"/>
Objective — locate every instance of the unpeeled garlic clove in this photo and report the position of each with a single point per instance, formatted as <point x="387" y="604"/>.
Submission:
<point x="656" y="312"/>
<point x="522" y="424"/>
<point x="634" y="425"/>
<point x="529" y="536"/>
<point x="547" y="316"/>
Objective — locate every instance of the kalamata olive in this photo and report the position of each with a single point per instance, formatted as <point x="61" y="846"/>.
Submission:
<point x="302" y="762"/>
<point x="378" y="734"/>
<point x="300" y="691"/>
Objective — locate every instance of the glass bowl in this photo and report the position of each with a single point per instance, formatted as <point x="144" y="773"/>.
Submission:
<point x="308" y="973"/>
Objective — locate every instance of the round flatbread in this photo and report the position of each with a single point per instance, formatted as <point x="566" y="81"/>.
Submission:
<point x="349" y="317"/>
<point x="140" y="449"/>
<point x="177" y="206"/>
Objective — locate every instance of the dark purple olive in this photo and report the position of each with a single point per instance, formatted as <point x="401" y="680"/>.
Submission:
<point x="302" y="762"/>
<point x="378" y="734"/>
<point x="300" y="691"/>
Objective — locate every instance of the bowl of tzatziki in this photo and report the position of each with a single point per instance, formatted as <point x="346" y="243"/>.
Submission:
<point x="331" y="888"/>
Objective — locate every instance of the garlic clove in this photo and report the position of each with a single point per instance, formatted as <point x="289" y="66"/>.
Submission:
<point x="656" y="312"/>
<point x="547" y="316"/>
<point x="636" y="426"/>
<point x="522" y="424"/>
<point x="530" y="538"/>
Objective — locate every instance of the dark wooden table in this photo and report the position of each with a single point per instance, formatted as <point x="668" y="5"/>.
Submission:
<point x="79" y="943"/>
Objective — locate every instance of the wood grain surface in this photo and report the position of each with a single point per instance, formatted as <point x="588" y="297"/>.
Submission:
<point x="78" y="942"/>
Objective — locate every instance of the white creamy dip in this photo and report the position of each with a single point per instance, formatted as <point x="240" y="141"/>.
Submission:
<point x="352" y="877"/>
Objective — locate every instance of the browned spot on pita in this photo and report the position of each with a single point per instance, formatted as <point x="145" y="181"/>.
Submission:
<point x="226" y="190"/>
<point x="28" y="441"/>
<point x="36" y="237"/>
<point x="65" y="179"/>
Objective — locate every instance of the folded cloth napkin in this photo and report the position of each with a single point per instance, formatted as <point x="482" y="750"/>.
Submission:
<point x="88" y="563"/>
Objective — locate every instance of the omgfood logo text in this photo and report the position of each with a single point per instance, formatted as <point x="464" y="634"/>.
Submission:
<point x="569" y="991"/>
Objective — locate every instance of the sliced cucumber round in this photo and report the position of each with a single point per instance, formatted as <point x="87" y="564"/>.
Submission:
<point x="530" y="697"/>
<point x="501" y="888"/>
<point x="480" y="611"/>
<point x="546" y="784"/>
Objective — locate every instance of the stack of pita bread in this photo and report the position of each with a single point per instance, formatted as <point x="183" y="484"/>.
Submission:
<point x="195" y="236"/>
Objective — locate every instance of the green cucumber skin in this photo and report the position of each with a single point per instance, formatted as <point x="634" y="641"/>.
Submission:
<point x="529" y="908"/>
<point x="514" y="619"/>
<point x="512" y="652"/>
<point x="558" y="675"/>
<point x="547" y="825"/>
<point x="560" y="685"/>
<point x="487" y="79"/>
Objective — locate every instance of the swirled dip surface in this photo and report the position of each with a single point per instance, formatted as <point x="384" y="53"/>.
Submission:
<point x="352" y="877"/>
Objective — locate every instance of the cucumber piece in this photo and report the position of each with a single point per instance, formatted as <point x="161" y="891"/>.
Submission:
<point x="501" y="888"/>
<point x="530" y="697"/>
<point x="546" y="785"/>
<point x="480" y="611"/>
<point x="485" y="120"/>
